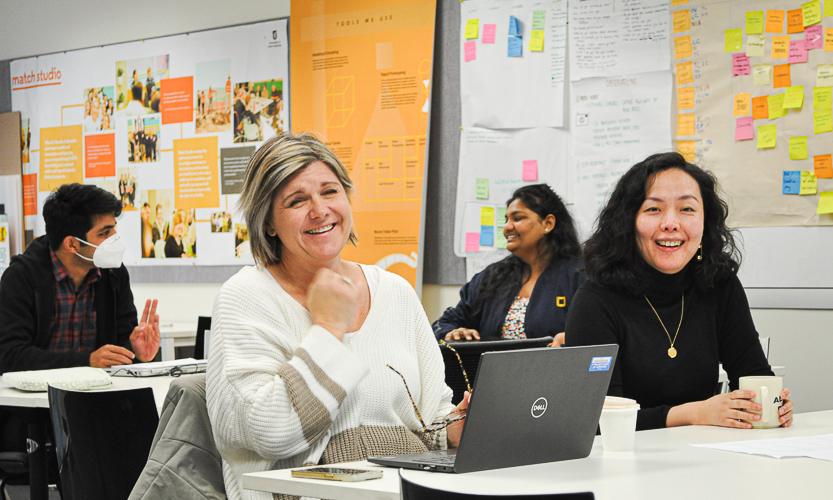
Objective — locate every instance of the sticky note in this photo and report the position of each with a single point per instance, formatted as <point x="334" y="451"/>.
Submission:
<point x="516" y="44"/>
<point x="681" y="21"/>
<point x="794" y="97"/>
<point x="823" y="165"/>
<point x="740" y="65"/>
<point x="828" y="8"/>
<point x="824" y="75"/>
<point x="489" y="33"/>
<point x="755" y="46"/>
<point x="814" y="37"/>
<point x="822" y="121"/>
<point x="514" y="26"/>
<point x="811" y="11"/>
<point x="685" y="124"/>
<point x="822" y="98"/>
<point x="685" y="73"/>
<point x="481" y="189"/>
<point x="755" y="22"/>
<point x="539" y="20"/>
<point x="798" y="148"/>
<point x="536" y="41"/>
<point x="732" y="40"/>
<point x="798" y="54"/>
<point x="825" y="203"/>
<point x="685" y="98"/>
<point x="472" y="242"/>
<point x="741" y="107"/>
<point x="774" y="21"/>
<point x="487" y="216"/>
<point x="678" y="2"/>
<point x="500" y="239"/>
<point x="760" y="107"/>
<point x="501" y="216"/>
<point x="781" y="76"/>
<point x="780" y="47"/>
<point x="470" y="51"/>
<point x="761" y="75"/>
<point x="686" y="148"/>
<point x="744" y="130"/>
<point x="530" y="170"/>
<point x="809" y="183"/>
<point x="487" y="236"/>
<point x="471" y="29"/>
<point x="795" y="21"/>
<point x="776" y="106"/>
<point x="766" y="136"/>
<point x="828" y="39"/>
<point x="682" y="47"/>
<point x="792" y="182"/>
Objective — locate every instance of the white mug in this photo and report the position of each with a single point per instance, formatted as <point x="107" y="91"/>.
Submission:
<point x="767" y="394"/>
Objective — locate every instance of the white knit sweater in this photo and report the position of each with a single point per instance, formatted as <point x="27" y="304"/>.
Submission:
<point x="282" y="392"/>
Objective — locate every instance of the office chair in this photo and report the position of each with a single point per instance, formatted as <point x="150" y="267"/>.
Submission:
<point x="14" y="469"/>
<point x="203" y="324"/>
<point x="413" y="491"/>
<point x="102" y="440"/>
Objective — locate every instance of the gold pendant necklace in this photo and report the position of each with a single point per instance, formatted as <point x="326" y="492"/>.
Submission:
<point x="672" y="353"/>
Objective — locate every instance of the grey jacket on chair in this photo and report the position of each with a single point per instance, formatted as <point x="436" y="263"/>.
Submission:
<point x="184" y="462"/>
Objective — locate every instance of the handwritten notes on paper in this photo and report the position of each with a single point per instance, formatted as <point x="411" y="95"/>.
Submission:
<point x="823" y="166"/>
<point x="481" y="189"/>
<point x="792" y="182"/>
<point x="744" y="129"/>
<point x="809" y="184"/>
<point x="471" y="29"/>
<point x="798" y="148"/>
<point x="766" y="136"/>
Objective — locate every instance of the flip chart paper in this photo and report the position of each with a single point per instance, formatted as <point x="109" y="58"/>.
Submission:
<point x="798" y="148"/>
<point x="766" y="136"/>
<point x="744" y="129"/>
<point x="792" y="182"/>
<point x="530" y="170"/>
<point x="809" y="183"/>
<point x="823" y="165"/>
<point x="482" y="189"/>
<point x="755" y="46"/>
<point x="755" y="22"/>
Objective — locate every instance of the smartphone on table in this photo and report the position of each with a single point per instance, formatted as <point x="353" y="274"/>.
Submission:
<point x="337" y="474"/>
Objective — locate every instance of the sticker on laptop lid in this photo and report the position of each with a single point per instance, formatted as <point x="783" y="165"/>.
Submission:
<point x="600" y="363"/>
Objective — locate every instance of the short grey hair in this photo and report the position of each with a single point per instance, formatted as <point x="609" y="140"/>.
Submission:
<point x="276" y="161"/>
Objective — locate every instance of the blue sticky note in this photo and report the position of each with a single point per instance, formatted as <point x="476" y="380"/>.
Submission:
<point x="600" y="363"/>
<point x="516" y="44"/>
<point x="487" y="236"/>
<point x="514" y="28"/>
<point x="792" y="181"/>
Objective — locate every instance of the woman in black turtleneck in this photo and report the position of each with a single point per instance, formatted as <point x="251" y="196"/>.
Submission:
<point x="662" y="269"/>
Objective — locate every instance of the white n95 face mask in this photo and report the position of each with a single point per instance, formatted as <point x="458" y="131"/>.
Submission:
<point x="108" y="254"/>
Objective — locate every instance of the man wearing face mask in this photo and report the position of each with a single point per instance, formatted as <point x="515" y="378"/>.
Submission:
<point x="66" y="301"/>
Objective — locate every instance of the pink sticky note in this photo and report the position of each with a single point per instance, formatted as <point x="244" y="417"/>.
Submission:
<point x="745" y="130"/>
<point x="530" y="172"/>
<point x="814" y="37"/>
<point x="470" y="51"/>
<point x="472" y="242"/>
<point x="489" y="33"/>
<point x="740" y="65"/>
<point x="798" y="54"/>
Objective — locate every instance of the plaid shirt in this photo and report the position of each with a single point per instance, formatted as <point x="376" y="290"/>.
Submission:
<point x="73" y="326"/>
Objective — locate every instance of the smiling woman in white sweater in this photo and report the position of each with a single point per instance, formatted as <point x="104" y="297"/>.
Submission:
<point x="297" y="371"/>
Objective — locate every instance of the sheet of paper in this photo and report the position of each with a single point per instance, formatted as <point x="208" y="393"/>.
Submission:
<point x="607" y="41"/>
<point x="818" y="447"/>
<point x="744" y="129"/>
<point x="822" y="121"/>
<point x="766" y="136"/>
<point x="822" y="98"/>
<point x="809" y="183"/>
<point x="740" y="65"/>
<point x="798" y="148"/>
<point x="823" y="166"/>
<point x="755" y="22"/>
<point x="825" y="203"/>
<point x="794" y="97"/>
<point x="755" y="45"/>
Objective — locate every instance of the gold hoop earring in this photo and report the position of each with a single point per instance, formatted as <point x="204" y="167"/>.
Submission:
<point x="700" y="255"/>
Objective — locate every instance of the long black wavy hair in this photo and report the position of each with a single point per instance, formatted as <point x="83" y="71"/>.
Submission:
<point x="508" y="275"/>
<point x="611" y="255"/>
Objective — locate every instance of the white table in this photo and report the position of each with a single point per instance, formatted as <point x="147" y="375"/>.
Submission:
<point x="663" y="465"/>
<point x="176" y="335"/>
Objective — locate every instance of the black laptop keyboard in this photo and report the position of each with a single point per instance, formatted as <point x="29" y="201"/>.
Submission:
<point x="442" y="460"/>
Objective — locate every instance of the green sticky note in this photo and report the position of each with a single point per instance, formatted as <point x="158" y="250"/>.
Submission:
<point x="822" y="98"/>
<point x="471" y="29"/>
<point x="487" y="216"/>
<point x="500" y="239"/>
<point x="809" y="183"/>
<point x="825" y="199"/>
<point x="539" y="20"/>
<point x="766" y="136"/>
<point x="733" y="40"/>
<point x="501" y="216"/>
<point x="755" y="23"/>
<point x="798" y="148"/>
<point x="822" y="121"/>
<point x="481" y="190"/>
<point x="776" y="106"/>
<point x="794" y="97"/>
<point x="536" y="41"/>
<point x="812" y="12"/>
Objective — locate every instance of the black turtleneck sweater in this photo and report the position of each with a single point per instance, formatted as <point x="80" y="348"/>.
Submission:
<point x="717" y="328"/>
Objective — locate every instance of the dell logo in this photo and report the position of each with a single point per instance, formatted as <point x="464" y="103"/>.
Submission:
<point x="539" y="407"/>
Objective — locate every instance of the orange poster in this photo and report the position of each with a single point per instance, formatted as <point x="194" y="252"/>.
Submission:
<point x="196" y="183"/>
<point x="60" y="156"/>
<point x="177" y="101"/>
<point x="100" y="155"/>
<point x="30" y="194"/>
<point x="367" y="69"/>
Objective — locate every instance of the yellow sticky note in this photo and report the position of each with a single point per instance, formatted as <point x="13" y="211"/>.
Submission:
<point x="685" y="73"/>
<point x="741" y="107"/>
<point x="761" y="75"/>
<point x="487" y="216"/>
<point x="682" y="47"/>
<point x="682" y="21"/>
<point x="812" y="12"/>
<point x="536" y="41"/>
<point x="733" y="40"/>
<point x="686" y="148"/>
<point x="822" y="121"/>
<point x="471" y="29"/>
<point x="680" y="2"/>
<point x="776" y="106"/>
<point x="825" y="201"/>
<point x="755" y="46"/>
<point x="685" y="124"/>
<point x="822" y="98"/>
<point x="809" y="183"/>
<point x="685" y="98"/>
<point x="828" y="8"/>
<point x="794" y="97"/>
<point x="780" y="47"/>
<point x="766" y="136"/>
<point x="824" y="75"/>
<point x="798" y="148"/>
<point x="828" y="39"/>
<point x="755" y="22"/>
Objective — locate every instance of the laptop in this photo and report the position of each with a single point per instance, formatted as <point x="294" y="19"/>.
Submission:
<point x="529" y="406"/>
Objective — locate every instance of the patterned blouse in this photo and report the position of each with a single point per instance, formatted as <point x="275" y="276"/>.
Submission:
<point x="513" y="325"/>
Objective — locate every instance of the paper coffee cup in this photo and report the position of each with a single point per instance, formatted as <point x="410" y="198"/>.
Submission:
<point x="618" y="423"/>
<point x="767" y="394"/>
